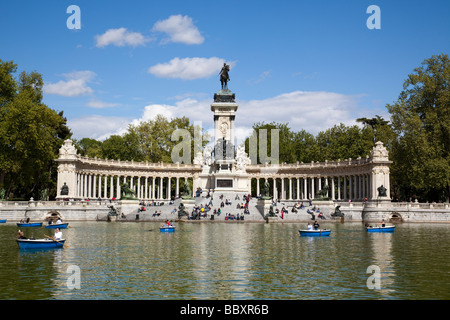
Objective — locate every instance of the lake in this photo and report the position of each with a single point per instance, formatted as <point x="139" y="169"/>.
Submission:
<point x="228" y="261"/>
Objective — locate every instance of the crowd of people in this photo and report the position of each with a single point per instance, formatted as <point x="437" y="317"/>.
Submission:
<point x="241" y="207"/>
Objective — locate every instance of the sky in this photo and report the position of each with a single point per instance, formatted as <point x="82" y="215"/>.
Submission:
<point x="311" y="64"/>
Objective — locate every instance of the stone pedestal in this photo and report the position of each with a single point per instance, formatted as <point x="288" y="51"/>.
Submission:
<point x="271" y="219"/>
<point x="263" y="206"/>
<point x="128" y="207"/>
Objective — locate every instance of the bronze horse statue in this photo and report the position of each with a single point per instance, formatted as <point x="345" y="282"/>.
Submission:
<point x="224" y="77"/>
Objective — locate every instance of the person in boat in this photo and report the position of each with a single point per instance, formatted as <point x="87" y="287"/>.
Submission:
<point x="59" y="221"/>
<point x="309" y="227"/>
<point x="20" y="235"/>
<point x="58" y="234"/>
<point x="316" y="225"/>
<point x="383" y="224"/>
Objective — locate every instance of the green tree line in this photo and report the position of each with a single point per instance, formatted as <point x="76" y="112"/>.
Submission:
<point x="417" y="136"/>
<point x="150" y="141"/>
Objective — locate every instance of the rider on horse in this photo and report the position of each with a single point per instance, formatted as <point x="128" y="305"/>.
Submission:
<point x="224" y="77"/>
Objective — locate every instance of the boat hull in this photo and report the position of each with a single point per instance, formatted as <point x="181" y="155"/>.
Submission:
<point x="59" y="225"/>
<point x="314" y="233"/>
<point x="39" y="243"/>
<point x="3" y="221"/>
<point x="25" y="225"/>
<point x="381" y="229"/>
<point x="167" y="229"/>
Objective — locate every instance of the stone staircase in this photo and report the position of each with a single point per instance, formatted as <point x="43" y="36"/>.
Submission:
<point x="232" y="208"/>
<point x="255" y="208"/>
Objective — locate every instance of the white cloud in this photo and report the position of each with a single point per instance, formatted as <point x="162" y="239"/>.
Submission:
<point x="97" y="126"/>
<point x="75" y="85"/>
<point x="179" y="29"/>
<point x="188" y="68"/>
<point x="98" y="104"/>
<point x="311" y="111"/>
<point x="120" y="37"/>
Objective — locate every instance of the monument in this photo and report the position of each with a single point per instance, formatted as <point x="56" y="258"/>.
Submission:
<point x="223" y="168"/>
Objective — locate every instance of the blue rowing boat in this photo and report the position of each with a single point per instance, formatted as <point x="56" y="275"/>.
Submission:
<point x="3" y="221"/>
<point x="167" y="229"/>
<point x="35" y="224"/>
<point x="315" y="233"/>
<point x="40" y="243"/>
<point x="57" y="225"/>
<point x="380" y="229"/>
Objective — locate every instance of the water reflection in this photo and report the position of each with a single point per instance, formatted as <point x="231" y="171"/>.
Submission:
<point x="381" y="248"/>
<point x="228" y="261"/>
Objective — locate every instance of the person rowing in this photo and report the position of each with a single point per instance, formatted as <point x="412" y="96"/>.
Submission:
<point x="58" y="234"/>
<point x="20" y="235"/>
<point x="316" y="225"/>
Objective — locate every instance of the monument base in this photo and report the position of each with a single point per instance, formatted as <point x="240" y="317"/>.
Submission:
<point x="127" y="207"/>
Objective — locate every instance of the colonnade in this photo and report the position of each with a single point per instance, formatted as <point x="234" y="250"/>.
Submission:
<point x="345" y="187"/>
<point x="96" y="186"/>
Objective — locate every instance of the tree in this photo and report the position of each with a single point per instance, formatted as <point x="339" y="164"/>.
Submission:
<point x="116" y="147"/>
<point x="343" y="142"/>
<point x="421" y="121"/>
<point x="146" y="141"/>
<point x="30" y="135"/>
<point x="285" y="144"/>
<point x="381" y="130"/>
<point x="89" y="147"/>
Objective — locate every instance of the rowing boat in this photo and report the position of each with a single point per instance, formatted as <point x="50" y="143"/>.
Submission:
<point x="40" y="243"/>
<point x="315" y="233"/>
<point x="57" y="225"/>
<point x="3" y="221"/>
<point x="34" y="224"/>
<point x="380" y="229"/>
<point x="167" y="229"/>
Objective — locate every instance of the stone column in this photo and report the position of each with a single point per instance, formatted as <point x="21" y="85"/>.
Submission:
<point x="90" y="186"/>
<point x="275" y="197"/>
<point x="94" y="186"/>
<point x="139" y="195"/>
<point x="168" y="189"/>
<point x="105" y="188"/>
<point x="111" y="187"/>
<point x="118" y="187"/>
<point x="84" y="186"/>
<point x="339" y="188"/>
<point x="305" y="188"/>
<point x="146" y="189"/>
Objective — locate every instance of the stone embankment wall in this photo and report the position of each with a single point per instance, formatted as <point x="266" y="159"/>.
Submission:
<point x="98" y="210"/>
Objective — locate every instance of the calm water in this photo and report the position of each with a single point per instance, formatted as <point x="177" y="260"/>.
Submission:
<point x="228" y="261"/>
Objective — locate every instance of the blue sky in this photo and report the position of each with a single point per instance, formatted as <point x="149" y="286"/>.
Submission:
<point x="312" y="64"/>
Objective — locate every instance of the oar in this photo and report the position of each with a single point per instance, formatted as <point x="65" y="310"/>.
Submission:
<point x="64" y="245"/>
